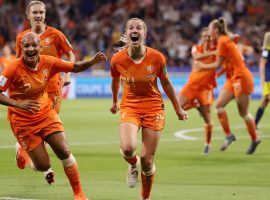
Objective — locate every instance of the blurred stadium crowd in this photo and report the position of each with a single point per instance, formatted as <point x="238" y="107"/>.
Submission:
<point x="173" y="25"/>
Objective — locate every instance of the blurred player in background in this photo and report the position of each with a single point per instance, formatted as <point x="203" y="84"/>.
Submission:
<point x="53" y="43"/>
<point x="138" y="67"/>
<point x="239" y="83"/>
<point x="201" y="83"/>
<point x="32" y="118"/>
<point x="6" y="58"/>
<point x="265" y="77"/>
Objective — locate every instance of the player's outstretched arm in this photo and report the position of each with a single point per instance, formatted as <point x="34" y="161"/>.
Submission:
<point x="168" y="89"/>
<point x="84" y="65"/>
<point x="199" y="65"/>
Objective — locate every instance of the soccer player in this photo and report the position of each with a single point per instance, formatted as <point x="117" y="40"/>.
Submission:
<point x="265" y="77"/>
<point x="200" y="84"/>
<point x="138" y="67"/>
<point x="239" y="83"/>
<point x="53" y="43"/>
<point x="6" y="58"/>
<point x="30" y="112"/>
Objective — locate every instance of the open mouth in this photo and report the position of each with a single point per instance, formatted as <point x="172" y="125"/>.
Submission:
<point x="31" y="54"/>
<point x="134" y="38"/>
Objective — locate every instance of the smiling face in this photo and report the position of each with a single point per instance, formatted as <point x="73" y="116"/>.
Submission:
<point x="36" y="15"/>
<point x="30" y="49"/>
<point x="135" y="32"/>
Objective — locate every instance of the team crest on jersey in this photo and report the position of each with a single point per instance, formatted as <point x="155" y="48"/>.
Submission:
<point x="47" y="40"/>
<point x="45" y="74"/>
<point x="3" y="80"/>
<point x="149" y="69"/>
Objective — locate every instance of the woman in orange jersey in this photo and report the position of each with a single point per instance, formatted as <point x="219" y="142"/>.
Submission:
<point x="138" y="67"/>
<point x="30" y="112"/>
<point x="53" y="42"/>
<point x="239" y="83"/>
<point x="200" y="85"/>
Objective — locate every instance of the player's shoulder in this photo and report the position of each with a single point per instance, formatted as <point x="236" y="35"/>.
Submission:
<point x="21" y="34"/>
<point x="51" y="30"/>
<point x="154" y="52"/>
<point x="15" y="64"/>
<point x="120" y="56"/>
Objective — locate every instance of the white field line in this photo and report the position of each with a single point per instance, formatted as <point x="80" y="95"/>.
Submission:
<point x="179" y="136"/>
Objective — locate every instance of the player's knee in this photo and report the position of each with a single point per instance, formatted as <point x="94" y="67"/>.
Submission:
<point x="147" y="162"/>
<point x="42" y="166"/>
<point x="149" y="171"/>
<point x="127" y="152"/>
<point x="64" y="153"/>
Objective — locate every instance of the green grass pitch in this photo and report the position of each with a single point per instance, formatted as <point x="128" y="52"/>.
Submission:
<point x="182" y="171"/>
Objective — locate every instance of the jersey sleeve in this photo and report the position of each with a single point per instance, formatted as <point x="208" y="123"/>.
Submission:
<point x="60" y="65"/>
<point x="162" y="71"/>
<point x="6" y="77"/>
<point x="265" y="54"/>
<point x="64" y="43"/>
<point x="221" y="46"/>
<point x="114" y="71"/>
<point x="18" y="47"/>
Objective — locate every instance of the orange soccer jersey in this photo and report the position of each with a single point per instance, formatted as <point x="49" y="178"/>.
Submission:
<point x="203" y="79"/>
<point x="53" y="43"/>
<point x="5" y="61"/>
<point x="241" y="79"/>
<point x="25" y="83"/>
<point x="139" y="80"/>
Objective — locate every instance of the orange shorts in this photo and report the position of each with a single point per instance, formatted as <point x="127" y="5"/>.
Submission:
<point x="30" y="135"/>
<point x="205" y="96"/>
<point x="239" y="86"/>
<point x="56" y="98"/>
<point x="152" y="120"/>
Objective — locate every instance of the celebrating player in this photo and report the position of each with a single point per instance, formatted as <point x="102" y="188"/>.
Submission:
<point x="138" y="67"/>
<point x="239" y="83"/>
<point x="30" y="112"/>
<point x="200" y="84"/>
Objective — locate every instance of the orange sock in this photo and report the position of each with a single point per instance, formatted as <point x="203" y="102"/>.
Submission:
<point x="147" y="182"/>
<point x="251" y="126"/>
<point x="208" y="132"/>
<point x="223" y="119"/>
<point x="73" y="175"/>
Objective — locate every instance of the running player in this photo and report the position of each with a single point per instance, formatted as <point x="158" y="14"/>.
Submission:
<point x="30" y="112"/>
<point x="200" y="85"/>
<point x="138" y="67"/>
<point x="239" y="83"/>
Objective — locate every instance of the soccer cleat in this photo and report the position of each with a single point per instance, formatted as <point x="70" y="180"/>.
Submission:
<point x="80" y="197"/>
<point x="132" y="175"/>
<point x="253" y="147"/>
<point x="206" y="149"/>
<point x="49" y="176"/>
<point x="229" y="139"/>
<point x="22" y="158"/>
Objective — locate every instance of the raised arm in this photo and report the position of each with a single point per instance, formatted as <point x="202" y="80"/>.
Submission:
<point x="169" y="90"/>
<point x="196" y="55"/>
<point x="84" y="65"/>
